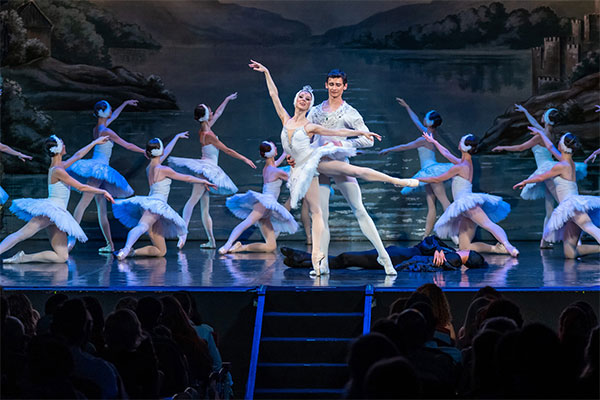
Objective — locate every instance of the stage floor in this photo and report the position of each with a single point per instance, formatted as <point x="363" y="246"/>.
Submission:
<point x="195" y="267"/>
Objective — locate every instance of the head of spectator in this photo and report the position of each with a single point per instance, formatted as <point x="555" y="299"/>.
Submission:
<point x="20" y="307"/>
<point x="388" y="328"/>
<point x="14" y="338"/>
<point x="95" y="309"/>
<point x="499" y="324"/>
<point x="439" y="304"/>
<point x="412" y="329"/>
<point x="53" y="302"/>
<point x="183" y="298"/>
<point x="127" y="302"/>
<point x="398" y="305"/>
<point x="149" y="309"/>
<point x="417" y="297"/>
<point x="489" y="292"/>
<point x="507" y="360"/>
<point x="392" y="378"/>
<point x="470" y="325"/>
<point x="427" y="313"/>
<point x="484" y="364"/>
<point x="587" y="308"/>
<point x="72" y="322"/>
<point x="503" y="308"/>
<point x="194" y="313"/>
<point x="122" y="331"/>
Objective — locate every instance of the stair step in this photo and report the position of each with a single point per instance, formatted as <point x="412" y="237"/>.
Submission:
<point x="313" y="314"/>
<point x="304" y="325"/>
<point x="304" y="350"/>
<point x="315" y="302"/>
<point x="275" y="364"/>
<point x="297" y="393"/>
<point x="301" y="376"/>
<point x="304" y="339"/>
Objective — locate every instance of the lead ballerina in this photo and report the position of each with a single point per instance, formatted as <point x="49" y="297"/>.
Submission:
<point x="296" y="138"/>
<point x="261" y="209"/>
<point x="469" y="210"/>
<point x="51" y="213"/>
<point x="574" y="213"/>
<point x="152" y="213"/>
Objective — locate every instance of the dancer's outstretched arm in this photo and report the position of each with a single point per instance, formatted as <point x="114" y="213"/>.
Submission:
<point x="171" y="145"/>
<point x="121" y="142"/>
<point x="546" y="141"/>
<point x="219" y="111"/>
<point x="212" y="139"/>
<point x="519" y="147"/>
<point x="557" y="169"/>
<point x="64" y="177"/>
<point x="529" y="117"/>
<point x="8" y="150"/>
<point x="273" y="92"/>
<point x="117" y="112"/>
<point x="592" y="157"/>
<point x="403" y="147"/>
<point x="170" y="173"/>
<point x="84" y="150"/>
<point x="314" y="129"/>
<point x="412" y="115"/>
<point x="443" y="151"/>
<point x="455" y="170"/>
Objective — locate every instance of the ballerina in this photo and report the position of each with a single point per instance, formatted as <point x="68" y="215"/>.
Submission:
<point x="296" y="138"/>
<point x="574" y="213"/>
<point x="469" y="210"/>
<point x="23" y="157"/>
<point x="98" y="173"/>
<point x="207" y="167"/>
<point x="544" y="162"/>
<point x="429" y="164"/>
<point x="51" y="212"/>
<point x="152" y="213"/>
<point x="261" y="209"/>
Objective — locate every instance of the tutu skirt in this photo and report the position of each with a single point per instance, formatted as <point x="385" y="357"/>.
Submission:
<point x="111" y="180"/>
<point x="129" y="211"/>
<point x="3" y="196"/>
<point x="447" y="225"/>
<point x="566" y="210"/>
<point x="206" y="169"/>
<point x="434" y="169"/>
<point x="533" y="191"/>
<point x="26" y="209"/>
<point x="241" y="205"/>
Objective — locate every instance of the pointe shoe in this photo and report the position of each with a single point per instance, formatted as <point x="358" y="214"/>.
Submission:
<point x="122" y="254"/>
<point x="16" y="259"/>
<point x="324" y="267"/>
<point x="499" y="248"/>
<point x="181" y="241"/>
<point x="317" y="260"/>
<point x="513" y="252"/>
<point x="387" y="266"/>
<point x="236" y="247"/>
<point x="106" y="249"/>
<point x="400" y="182"/>
<point x="223" y="250"/>
<point x="71" y="243"/>
<point x="208" y="245"/>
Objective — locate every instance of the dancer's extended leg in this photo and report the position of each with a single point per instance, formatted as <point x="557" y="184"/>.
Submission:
<point x="478" y="216"/>
<point x="324" y="193"/>
<point x="157" y="249"/>
<point x="270" y="243"/>
<point x="571" y="235"/>
<point x="549" y="206"/>
<point x="257" y="213"/>
<point x="32" y="227"/>
<point x="439" y="190"/>
<point x="312" y="200"/>
<point x="207" y="221"/>
<point x="431" y="210"/>
<point x="104" y="224"/>
<point x="467" y="230"/>
<point x="335" y="168"/>
<point x="188" y="209"/>
<point x="58" y="254"/>
<point x="305" y="218"/>
<point x="145" y="223"/>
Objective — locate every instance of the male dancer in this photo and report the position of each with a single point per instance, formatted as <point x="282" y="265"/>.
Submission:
<point x="335" y="113"/>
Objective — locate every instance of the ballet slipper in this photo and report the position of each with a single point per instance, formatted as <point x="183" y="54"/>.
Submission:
<point x="386" y="262"/>
<point x="512" y="250"/>
<point x="223" y="250"/>
<point x="181" y="241"/>
<point x="16" y="259"/>
<point x="236" y="247"/>
<point x="317" y="260"/>
<point x="123" y="253"/>
<point x="106" y="249"/>
<point x="208" y="245"/>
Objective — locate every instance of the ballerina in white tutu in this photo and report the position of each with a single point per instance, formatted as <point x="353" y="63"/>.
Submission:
<point x="429" y="164"/>
<point x="152" y="213"/>
<point x="8" y="150"/>
<point x="574" y="213"/>
<point x="51" y="213"/>
<point x="544" y="162"/>
<point x="296" y="140"/>
<point x="261" y="209"/>
<point x="207" y="167"/>
<point x="469" y="210"/>
<point x="97" y="172"/>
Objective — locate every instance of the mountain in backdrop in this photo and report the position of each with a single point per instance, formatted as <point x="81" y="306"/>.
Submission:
<point x="192" y="22"/>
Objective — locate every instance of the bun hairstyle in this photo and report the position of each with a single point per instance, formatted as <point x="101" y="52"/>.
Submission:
<point x="154" y="148"/>
<point x="102" y="109"/>
<point x="53" y="145"/>
<point x="568" y="143"/>
<point x="550" y="116"/>
<point x="201" y="113"/>
<point x="432" y="119"/>
<point x="267" y="149"/>
<point x="469" y="143"/>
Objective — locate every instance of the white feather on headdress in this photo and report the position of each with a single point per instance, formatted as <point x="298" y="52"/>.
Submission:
<point x="57" y="149"/>
<point x="270" y="153"/>
<point x="462" y="146"/>
<point x="158" y="152"/>
<point x="562" y="146"/>
<point x="206" y="114"/>
<point x="308" y="89"/>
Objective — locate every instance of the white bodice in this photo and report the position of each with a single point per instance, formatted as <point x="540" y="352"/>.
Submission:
<point x="541" y="154"/>
<point x="461" y="187"/>
<point x="299" y="148"/>
<point x="102" y="152"/>
<point x="426" y="156"/>
<point x="210" y="153"/>
<point x="160" y="190"/>
<point x="58" y="192"/>
<point x="564" y="188"/>
<point x="272" y="188"/>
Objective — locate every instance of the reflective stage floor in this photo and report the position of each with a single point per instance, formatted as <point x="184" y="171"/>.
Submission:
<point x="195" y="267"/>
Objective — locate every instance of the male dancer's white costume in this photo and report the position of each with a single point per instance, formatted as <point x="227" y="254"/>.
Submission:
<point x="346" y="117"/>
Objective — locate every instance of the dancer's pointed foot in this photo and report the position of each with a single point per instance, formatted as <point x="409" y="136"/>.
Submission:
<point x="123" y="253"/>
<point x="71" y="243"/>
<point x="181" y="241"/>
<point x="512" y="250"/>
<point x="236" y="247"/>
<point x="317" y="261"/>
<point x="209" y="245"/>
<point x="324" y="267"/>
<point x="106" y="249"/>
<point x="16" y="259"/>
<point x="400" y="182"/>
<point x="386" y="262"/>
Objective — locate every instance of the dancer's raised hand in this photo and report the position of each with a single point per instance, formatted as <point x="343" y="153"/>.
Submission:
<point x="592" y="157"/>
<point x="255" y="65"/>
<point x="131" y="102"/>
<point x="370" y="135"/>
<point x="520" y="108"/>
<point x="183" y="135"/>
<point x="101" y="140"/>
<point x="232" y="96"/>
<point x="108" y="197"/>
<point x="24" y="157"/>
<point x="597" y="108"/>
<point x="535" y="131"/>
<point x="401" y="102"/>
<point x="429" y="137"/>
<point x="519" y="185"/>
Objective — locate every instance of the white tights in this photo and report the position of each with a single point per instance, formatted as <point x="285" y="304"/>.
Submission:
<point x="58" y="241"/>
<point x="199" y="193"/>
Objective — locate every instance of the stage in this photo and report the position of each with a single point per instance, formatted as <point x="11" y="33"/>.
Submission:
<point x="198" y="268"/>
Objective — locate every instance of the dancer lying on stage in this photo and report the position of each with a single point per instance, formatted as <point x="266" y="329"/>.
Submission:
<point x="207" y="168"/>
<point x="51" y="213"/>
<point x="429" y="164"/>
<point x="296" y="138"/>
<point x="428" y="256"/>
<point x="469" y="210"/>
<point x="575" y="213"/>
<point x="152" y="213"/>
<point x="97" y="172"/>
<point x="544" y="162"/>
<point x="8" y="150"/>
<point x="261" y="209"/>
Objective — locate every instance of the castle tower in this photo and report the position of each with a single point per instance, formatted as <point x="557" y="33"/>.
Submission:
<point x="591" y="28"/>
<point x="577" y="30"/>
<point x="536" y="68"/>
<point x="572" y="57"/>
<point x="552" y="61"/>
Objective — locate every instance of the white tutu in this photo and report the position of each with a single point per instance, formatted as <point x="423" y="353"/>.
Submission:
<point x="435" y="169"/>
<point x="3" y="196"/>
<point x="26" y="209"/>
<point x="205" y="169"/>
<point x="129" y="211"/>
<point x="566" y="210"/>
<point x="533" y="191"/>
<point x="112" y="181"/>
<point x="241" y="205"/>
<point x="302" y="176"/>
<point x="447" y="225"/>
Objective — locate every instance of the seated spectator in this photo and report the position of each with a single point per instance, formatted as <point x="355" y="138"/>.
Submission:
<point x="503" y="308"/>
<point x="589" y="382"/>
<point x="444" y="331"/>
<point x="95" y="309"/>
<point x="13" y="360"/>
<point x="21" y="308"/>
<point x="483" y="370"/>
<point x="392" y="378"/>
<point x="470" y="326"/>
<point x="53" y="302"/>
<point x="127" y="302"/>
